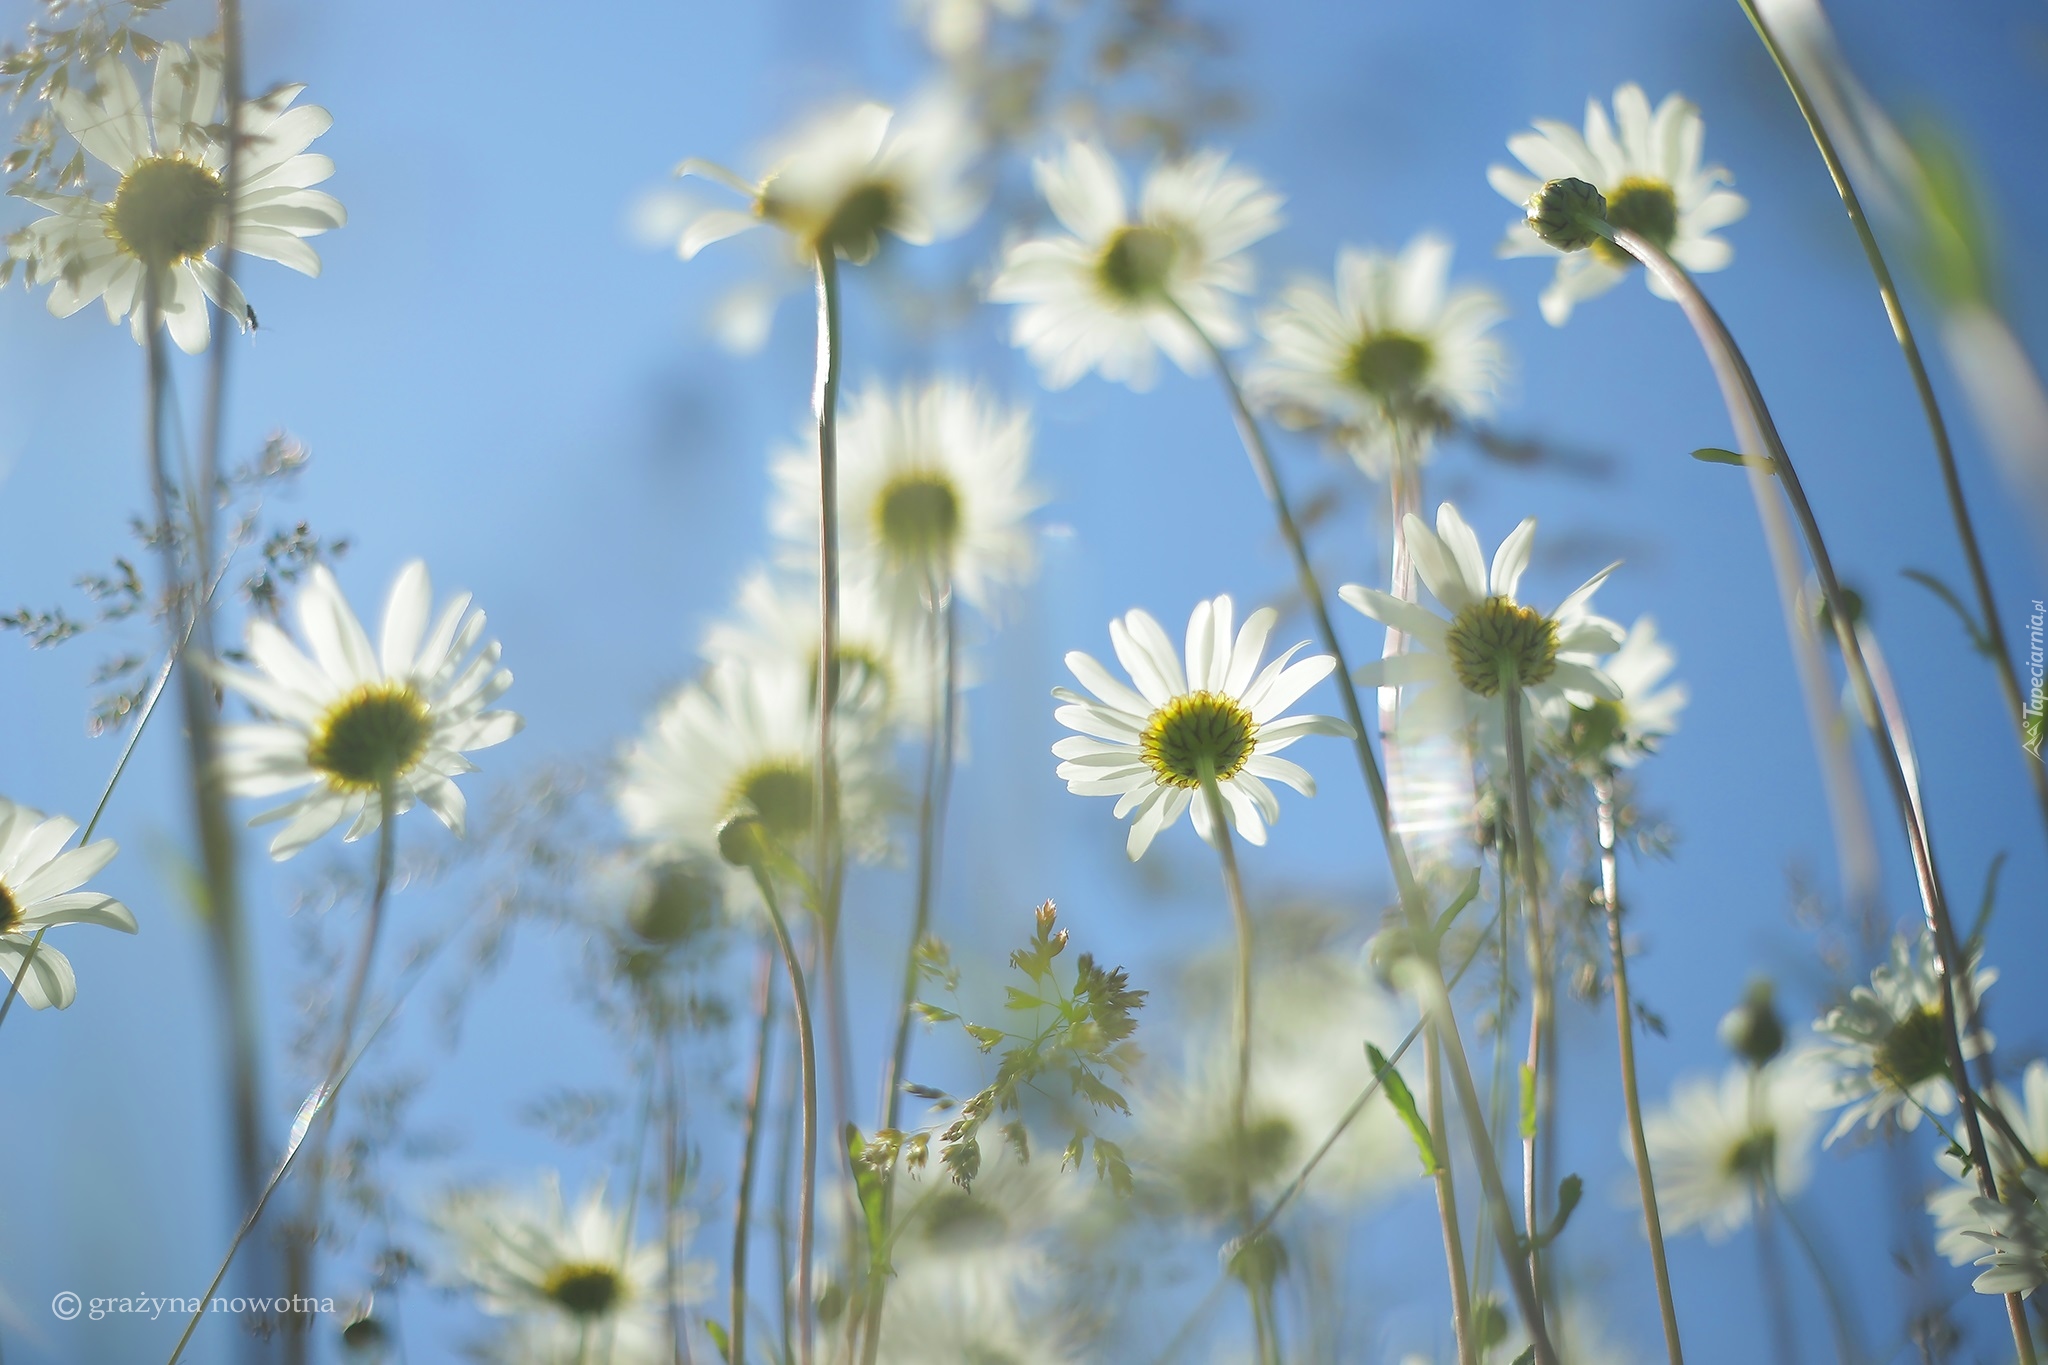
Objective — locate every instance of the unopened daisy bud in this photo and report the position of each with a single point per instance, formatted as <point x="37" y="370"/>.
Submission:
<point x="365" y="1338"/>
<point x="1489" y="1324"/>
<point x="1257" y="1261"/>
<point x="674" y="901"/>
<point x="744" y="841"/>
<point x="1752" y="1030"/>
<point x="1567" y="214"/>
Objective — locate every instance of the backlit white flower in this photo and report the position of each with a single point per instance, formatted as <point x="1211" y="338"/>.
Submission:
<point x="1623" y="731"/>
<point x="1153" y="747"/>
<point x="2015" y="1242"/>
<point x="1388" y="359"/>
<point x="1715" y="1142"/>
<point x="1458" y="663"/>
<point x="933" y="489"/>
<point x="885" y="660"/>
<point x="574" y="1285"/>
<point x="956" y="29"/>
<point x="371" y="729"/>
<point x="170" y="208"/>
<point x="1110" y="295"/>
<point x="1886" y="1043"/>
<point x="39" y="888"/>
<point x="744" y="739"/>
<point x="1953" y="1207"/>
<point x="1647" y="164"/>
<point x="850" y="176"/>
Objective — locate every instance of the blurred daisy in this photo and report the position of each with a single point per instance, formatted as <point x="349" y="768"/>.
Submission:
<point x="850" y="176"/>
<point x="1953" y="1208"/>
<point x="1887" y="1045"/>
<point x="1717" y="1149"/>
<point x="39" y="888"/>
<point x="2017" y="1238"/>
<point x="1622" y="732"/>
<point x="743" y="740"/>
<point x="992" y="1244"/>
<point x="956" y="29"/>
<point x="170" y="208"/>
<point x="1488" y="637"/>
<point x="933" y="490"/>
<point x="571" y="1280"/>
<point x="1308" y="1067"/>
<point x="885" y="661"/>
<point x="1647" y="164"/>
<point x="1110" y="294"/>
<point x="1219" y="720"/>
<point x="1388" y="359"/>
<point x="371" y="729"/>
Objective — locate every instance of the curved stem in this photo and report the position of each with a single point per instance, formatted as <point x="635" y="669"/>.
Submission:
<point x="807" y="1060"/>
<point x="1624" y="1027"/>
<point x="1923" y="387"/>
<point x="1839" y="1318"/>
<point x="1752" y="420"/>
<point x="749" y="1152"/>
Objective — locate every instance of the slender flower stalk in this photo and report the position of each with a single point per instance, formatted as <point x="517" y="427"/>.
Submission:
<point x="1537" y="945"/>
<point x="1923" y="387"/>
<point x="1624" y="1025"/>
<point x="1759" y="434"/>
<point x="750" y="1147"/>
<point x="1258" y="1270"/>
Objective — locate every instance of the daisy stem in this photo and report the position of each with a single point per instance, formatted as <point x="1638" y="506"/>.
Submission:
<point x="930" y="826"/>
<point x="1771" y="1276"/>
<point x="1847" y="1348"/>
<point x="807" y="1060"/>
<point x="1752" y="421"/>
<point x="1624" y="1026"/>
<point x="749" y="1152"/>
<point x="1992" y="632"/>
<point x="1258" y="1281"/>
<point x="1538" y="949"/>
<point x="1254" y="442"/>
<point x="1447" y="1203"/>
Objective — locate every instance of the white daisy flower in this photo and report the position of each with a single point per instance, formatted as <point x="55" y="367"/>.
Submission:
<point x="1458" y="663"/>
<point x="1308" y="1067"/>
<point x="1623" y="731"/>
<point x="1647" y="164"/>
<point x="956" y="29"/>
<point x="1110" y="295"/>
<point x="1887" y="1044"/>
<point x="2017" y="1262"/>
<point x="851" y="175"/>
<point x="885" y="659"/>
<point x="1391" y="356"/>
<point x="933" y="490"/>
<point x="744" y="739"/>
<point x="371" y="729"/>
<point x="990" y="1245"/>
<point x="170" y="209"/>
<point x="573" y="1284"/>
<point x="1714" y="1142"/>
<point x="1953" y="1207"/>
<point x="1152" y="748"/>
<point x="39" y="888"/>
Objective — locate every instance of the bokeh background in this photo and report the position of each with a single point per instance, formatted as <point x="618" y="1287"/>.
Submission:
<point x="498" y="373"/>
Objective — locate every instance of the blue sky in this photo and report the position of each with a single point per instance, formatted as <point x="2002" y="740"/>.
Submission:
<point x="494" y="375"/>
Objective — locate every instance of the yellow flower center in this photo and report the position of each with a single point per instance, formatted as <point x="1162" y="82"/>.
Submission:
<point x="10" y="913"/>
<point x="1198" y="734"/>
<point x="372" y="736"/>
<point x="1914" y="1050"/>
<point x="584" y="1289"/>
<point x="1135" y="265"/>
<point x="853" y="227"/>
<point x="1752" y="1157"/>
<point x="1498" y="640"/>
<point x="167" y="210"/>
<point x="1388" y="365"/>
<point x="780" y="793"/>
<point x="1641" y="205"/>
<point x="919" y="516"/>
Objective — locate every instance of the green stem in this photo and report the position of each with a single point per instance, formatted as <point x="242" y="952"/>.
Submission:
<point x="1759" y="434"/>
<point x="1839" y="1319"/>
<point x="1624" y="1026"/>
<point x="749" y="1152"/>
<point x="1923" y="387"/>
<point x="807" y="1059"/>
<point x="1538" y="950"/>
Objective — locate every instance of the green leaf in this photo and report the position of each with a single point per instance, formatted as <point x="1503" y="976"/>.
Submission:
<point x="1716" y="455"/>
<point x="867" y="1181"/>
<point x="1463" y="899"/>
<point x="1528" y="1101"/>
<point x="1021" y="1001"/>
<point x="933" y="1014"/>
<point x="716" y="1331"/>
<point x="1528" y="1356"/>
<point x="1975" y="941"/>
<point x="988" y="1037"/>
<point x="1569" y="1191"/>
<point x="1980" y="639"/>
<point x="1398" y="1094"/>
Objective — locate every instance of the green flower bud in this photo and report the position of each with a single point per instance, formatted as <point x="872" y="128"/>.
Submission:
<point x="673" y="902"/>
<point x="1752" y="1030"/>
<point x="1563" y="213"/>
<point x="744" y="841"/>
